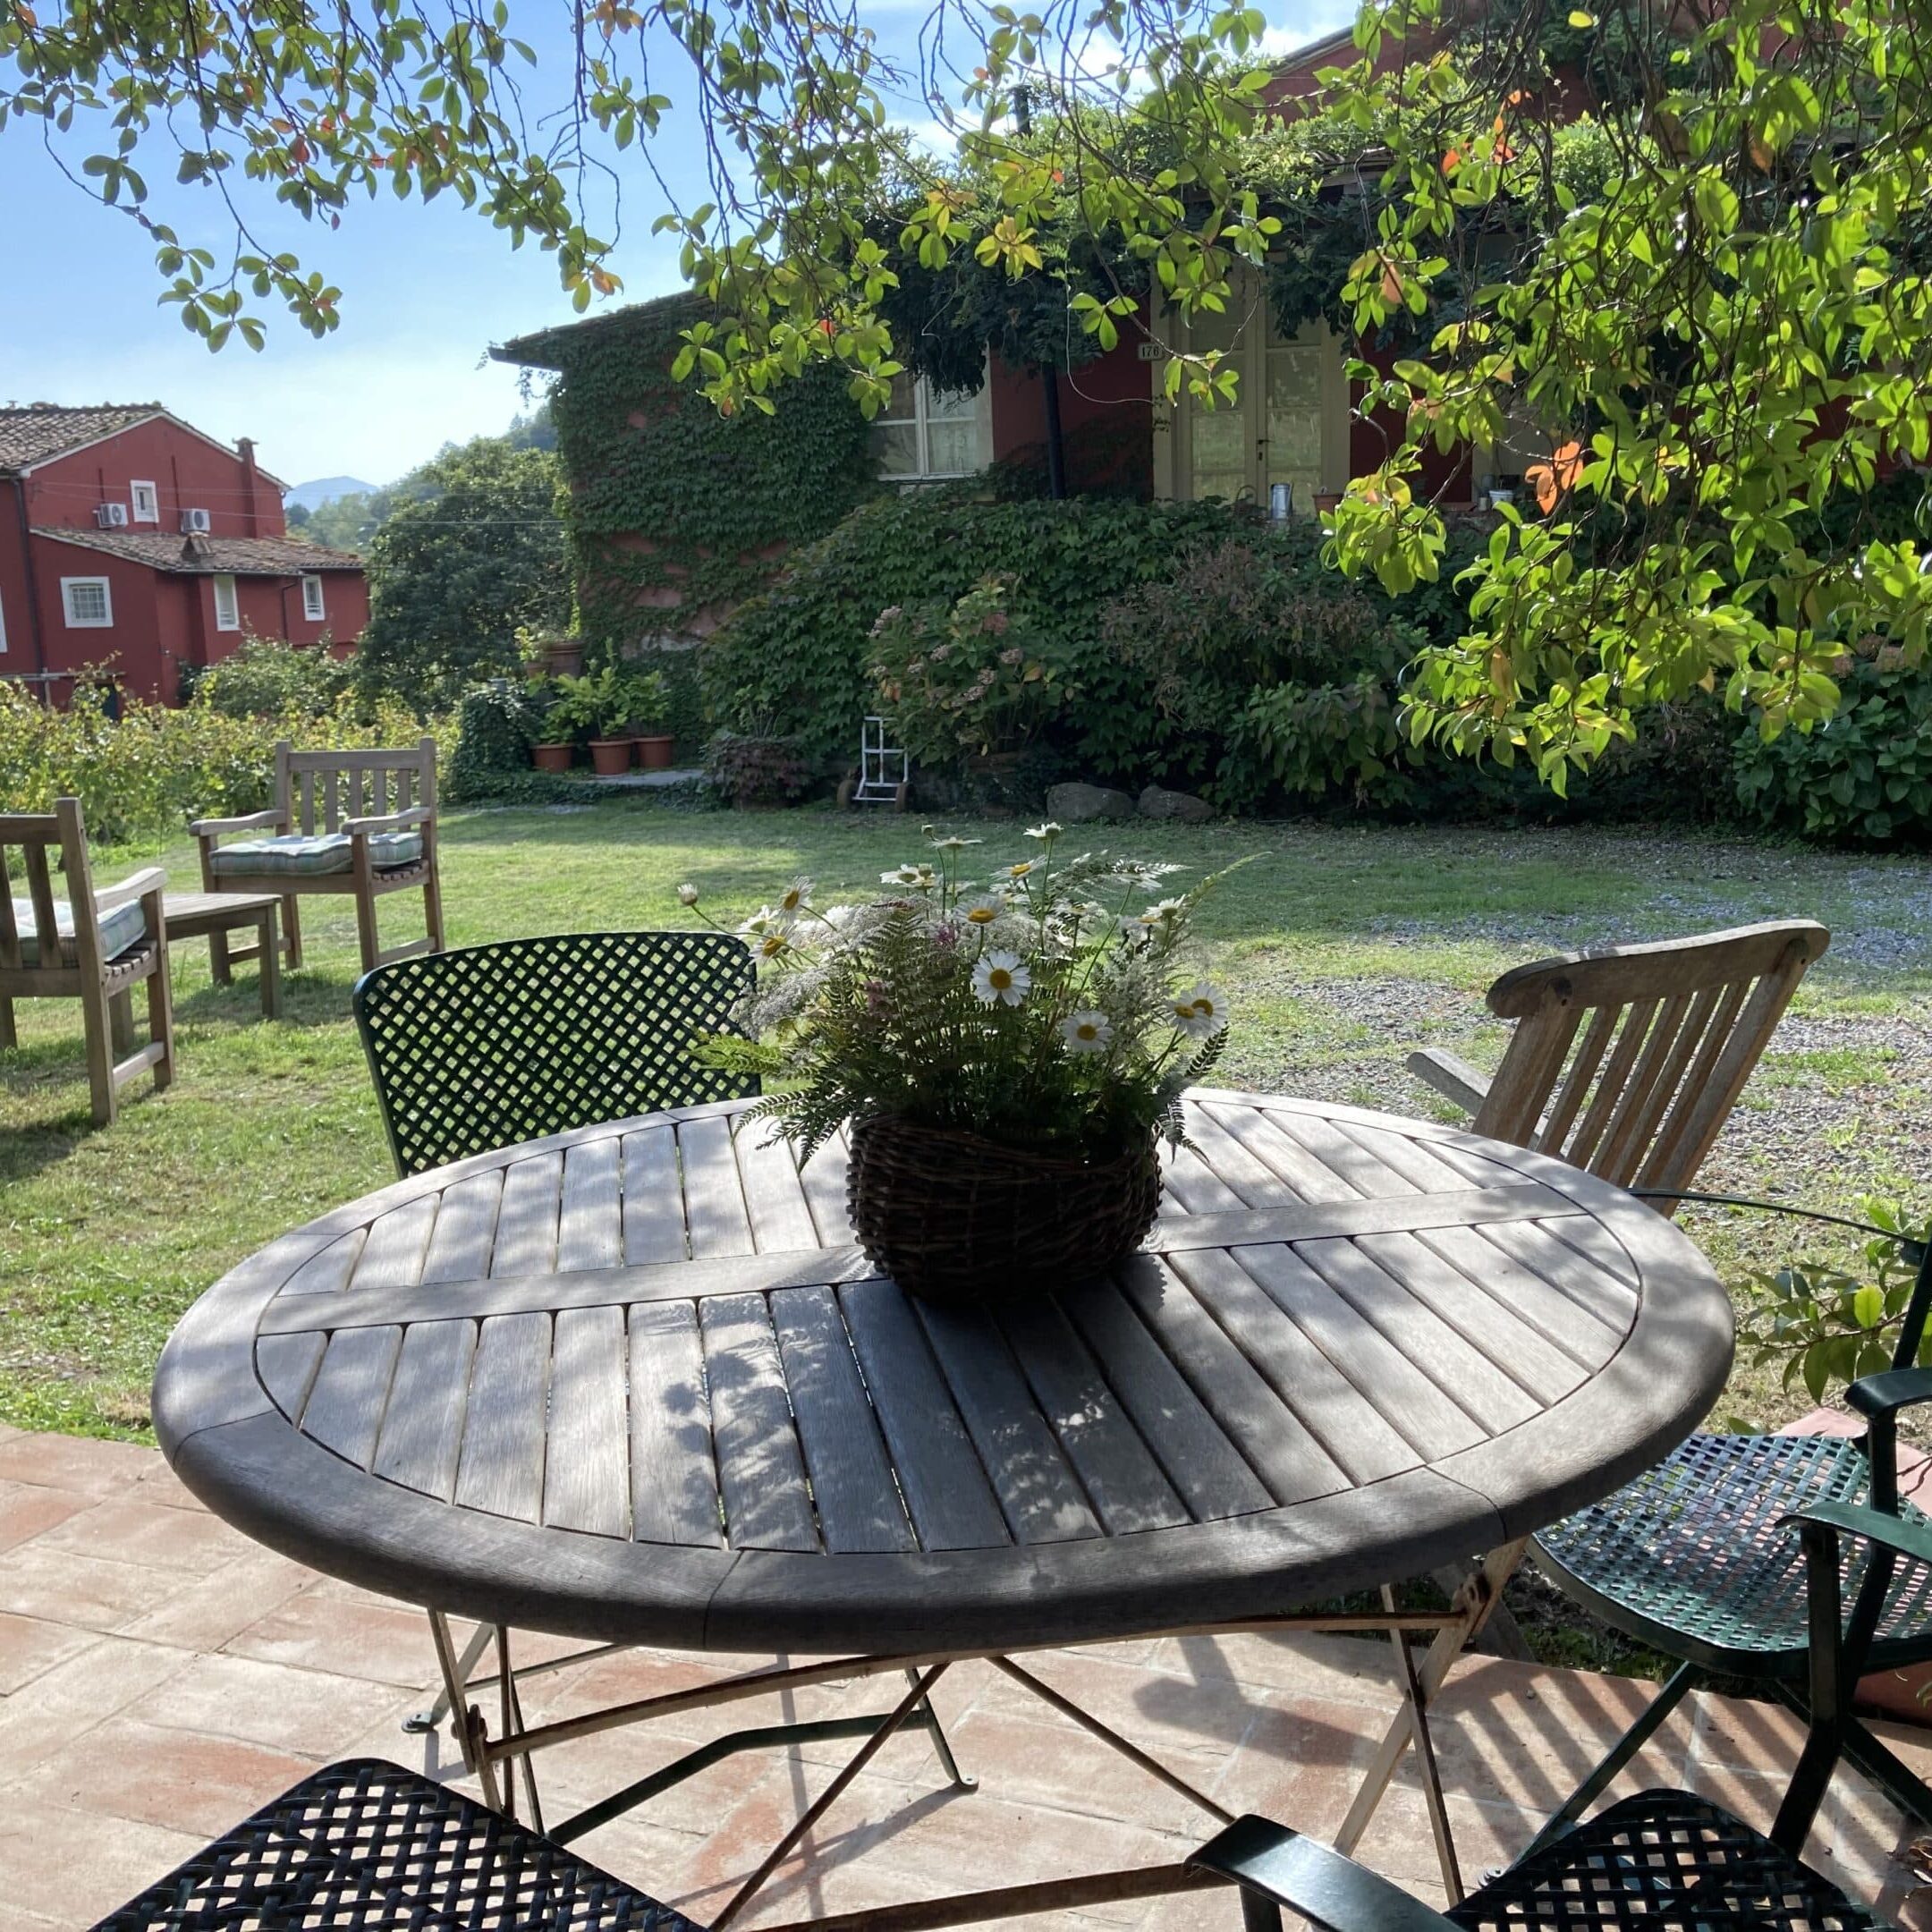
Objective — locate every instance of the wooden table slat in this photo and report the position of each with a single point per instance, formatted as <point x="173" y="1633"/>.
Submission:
<point x="1281" y="1154"/>
<point x="392" y="1255"/>
<point x="939" y="1475"/>
<point x="465" y="1229"/>
<point x="1419" y="1163"/>
<point x="286" y="1366"/>
<point x="1479" y="1385"/>
<point x="1122" y="1479"/>
<point x="501" y="1470"/>
<point x="851" y="1480"/>
<point x="527" y="1221"/>
<point x="344" y="1409"/>
<point x="587" y="1461"/>
<point x="1346" y="1158"/>
<point x="775" y="1194"/>
<point x="1564" y="1268"/>
<point x="761" y="1471"/>
<point x="1489" y="1322"/>
<point x="1194" y="1329"/>
<point x="1588" y="1340"/>
<point x="1193" y="1186"/>
<point x="330" y="1271"/>
<point x="1592" y="1239"/>
<point x="714" y="1200"/>
<point x="1039" y="1494"/>
<point x="1251" y="1179"/>
<point x="653" y="1196"/>
<point x="422" y="1430"/>
<point x="1209" y="1471"/>
<point x="674" y="1473"/>
<point x="590" y="1214"/>
<point x="823" y="1176"/>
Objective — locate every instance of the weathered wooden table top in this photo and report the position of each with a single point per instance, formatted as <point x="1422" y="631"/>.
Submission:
<point x="635" y="1382"/>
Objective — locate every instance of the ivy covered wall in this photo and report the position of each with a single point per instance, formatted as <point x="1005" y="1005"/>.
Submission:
<point x="676" y="514"/>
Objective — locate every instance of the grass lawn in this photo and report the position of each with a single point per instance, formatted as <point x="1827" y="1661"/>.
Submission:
<point x="1342" y="947"/>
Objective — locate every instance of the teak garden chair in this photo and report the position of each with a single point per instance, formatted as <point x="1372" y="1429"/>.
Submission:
<point x="1640" y="1093"/>
<point x="370" y="1845"/>
<point x="490" y="1045"/>
<point x="361" y="822"/>
<point x="93" y="947"/>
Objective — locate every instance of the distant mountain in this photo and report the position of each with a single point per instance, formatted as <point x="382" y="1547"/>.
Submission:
<point x="325" y="489"/>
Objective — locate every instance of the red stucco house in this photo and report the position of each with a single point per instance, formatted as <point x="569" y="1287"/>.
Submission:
<point x="133" y="547"/>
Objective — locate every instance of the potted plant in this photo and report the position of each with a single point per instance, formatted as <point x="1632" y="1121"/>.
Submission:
<point x="551" y="744"/>
<point x="549" y="654"/>
<point x="1007" y="1053"/>
<point x="647" y="704"/>
<point x="576" y="715"/>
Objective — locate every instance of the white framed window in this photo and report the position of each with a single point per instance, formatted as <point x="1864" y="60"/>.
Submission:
<point x="147" y="501"/>
<point x="88" y="603"/>
<point x="924" y="434"/>
<point x="227" y="606"/>
<point x="312" y="606"/>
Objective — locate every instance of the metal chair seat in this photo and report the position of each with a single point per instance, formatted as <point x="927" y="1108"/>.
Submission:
<point x="369" y="1845"/>
<point x="1694" y="1557"/>
<point x="1661" y="1860"/>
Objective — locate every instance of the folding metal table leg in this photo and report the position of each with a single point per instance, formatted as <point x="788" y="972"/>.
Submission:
<point x="1474" y="1601"/>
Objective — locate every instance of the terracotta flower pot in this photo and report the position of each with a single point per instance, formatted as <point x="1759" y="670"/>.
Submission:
<point x="552" y="758"/>
<point x="654" y="752"/>
<point x="563" y="657"/>
<point x="610" y="758"/>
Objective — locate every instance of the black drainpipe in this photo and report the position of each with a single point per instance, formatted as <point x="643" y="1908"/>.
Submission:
<point x="33" y="587"/>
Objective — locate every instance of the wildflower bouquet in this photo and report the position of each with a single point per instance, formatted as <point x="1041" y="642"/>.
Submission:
<point x="1006" y="1051"/>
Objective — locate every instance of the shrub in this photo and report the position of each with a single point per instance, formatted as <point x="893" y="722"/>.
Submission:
<point x="145" y="775"/>
<point x="756" y="769"/>
<point x="497" y="725"/>
<point x="1865" y="775"/>
<point x="794" y="660"/>
<point x="266" y="677"/>
<point x="966" y="681"/>
<point x="1318" y="740"/>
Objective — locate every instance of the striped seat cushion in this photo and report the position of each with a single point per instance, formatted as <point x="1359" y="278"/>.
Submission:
<point x="123" y="926"/>
<point x="301" y="857"/>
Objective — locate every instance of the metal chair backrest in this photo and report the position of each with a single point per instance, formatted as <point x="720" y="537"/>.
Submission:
<point x="482" y="1048"/>
<point x="316" y="790"/>
<point x="34" y="835"/>
<point x="1640" y="1093"/>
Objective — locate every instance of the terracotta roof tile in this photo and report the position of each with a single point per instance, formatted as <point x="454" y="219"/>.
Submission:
<point x="238" y="556"/>
<point x="32" y="435"/>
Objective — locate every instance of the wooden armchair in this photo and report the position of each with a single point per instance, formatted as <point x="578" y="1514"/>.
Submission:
<point x="1638" y="1095"/>
<point x="361" y="822"/>
<point x="93" y="947"/>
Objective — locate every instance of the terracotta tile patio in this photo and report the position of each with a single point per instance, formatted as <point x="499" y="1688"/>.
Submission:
<point x="160" y="1675"/>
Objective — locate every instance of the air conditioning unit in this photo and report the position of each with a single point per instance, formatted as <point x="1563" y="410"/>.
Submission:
<point x="111" y="516"/>
<point x="194" y="522"/>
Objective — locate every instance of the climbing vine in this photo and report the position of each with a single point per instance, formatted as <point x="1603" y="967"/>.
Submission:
<point x="677" y="513"/>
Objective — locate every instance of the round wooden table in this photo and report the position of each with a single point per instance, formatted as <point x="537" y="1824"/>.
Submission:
<point x="635" y="1383"/>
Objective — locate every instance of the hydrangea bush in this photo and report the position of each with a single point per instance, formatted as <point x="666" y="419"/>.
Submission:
<point x="1050" y="1007"/>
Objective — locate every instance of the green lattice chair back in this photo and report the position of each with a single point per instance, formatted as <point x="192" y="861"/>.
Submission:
<point x="482" y="1048"/>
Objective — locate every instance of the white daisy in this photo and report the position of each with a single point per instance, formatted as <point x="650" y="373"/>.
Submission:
<point x="1087" y="1032"/>
<point x="797" y="898"/>
<point x="1201" y="1011"/>
<point x="1165" y="912"/>
<point x="986" y="910"/>
<point x="920" y="877"/>
<point x="1046" y="833"/>
<point x="1000" y="979"/>
<point x="953" y="842"/>
<point x="687" y="895"/>
<point x="765" y="919"/>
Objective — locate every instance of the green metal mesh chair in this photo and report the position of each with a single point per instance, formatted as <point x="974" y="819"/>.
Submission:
<point x="370" y="1846"/>
<point x="487" y="1046"/>
<point x="1662" y="1861"/>
<point x="1693" y="1558"/>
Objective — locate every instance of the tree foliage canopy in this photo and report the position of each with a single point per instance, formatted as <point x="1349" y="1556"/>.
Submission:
<point x="1704" y="312"/>
<point x="474" y="554"/>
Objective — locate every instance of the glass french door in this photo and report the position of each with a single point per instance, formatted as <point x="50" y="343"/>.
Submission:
<point x="1283" y="428"/>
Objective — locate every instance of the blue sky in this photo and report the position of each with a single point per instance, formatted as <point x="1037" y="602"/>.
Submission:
<point x="425" y="292"/>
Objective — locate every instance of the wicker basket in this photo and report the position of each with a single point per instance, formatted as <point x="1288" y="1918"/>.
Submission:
<point x="954" y="1218"/>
